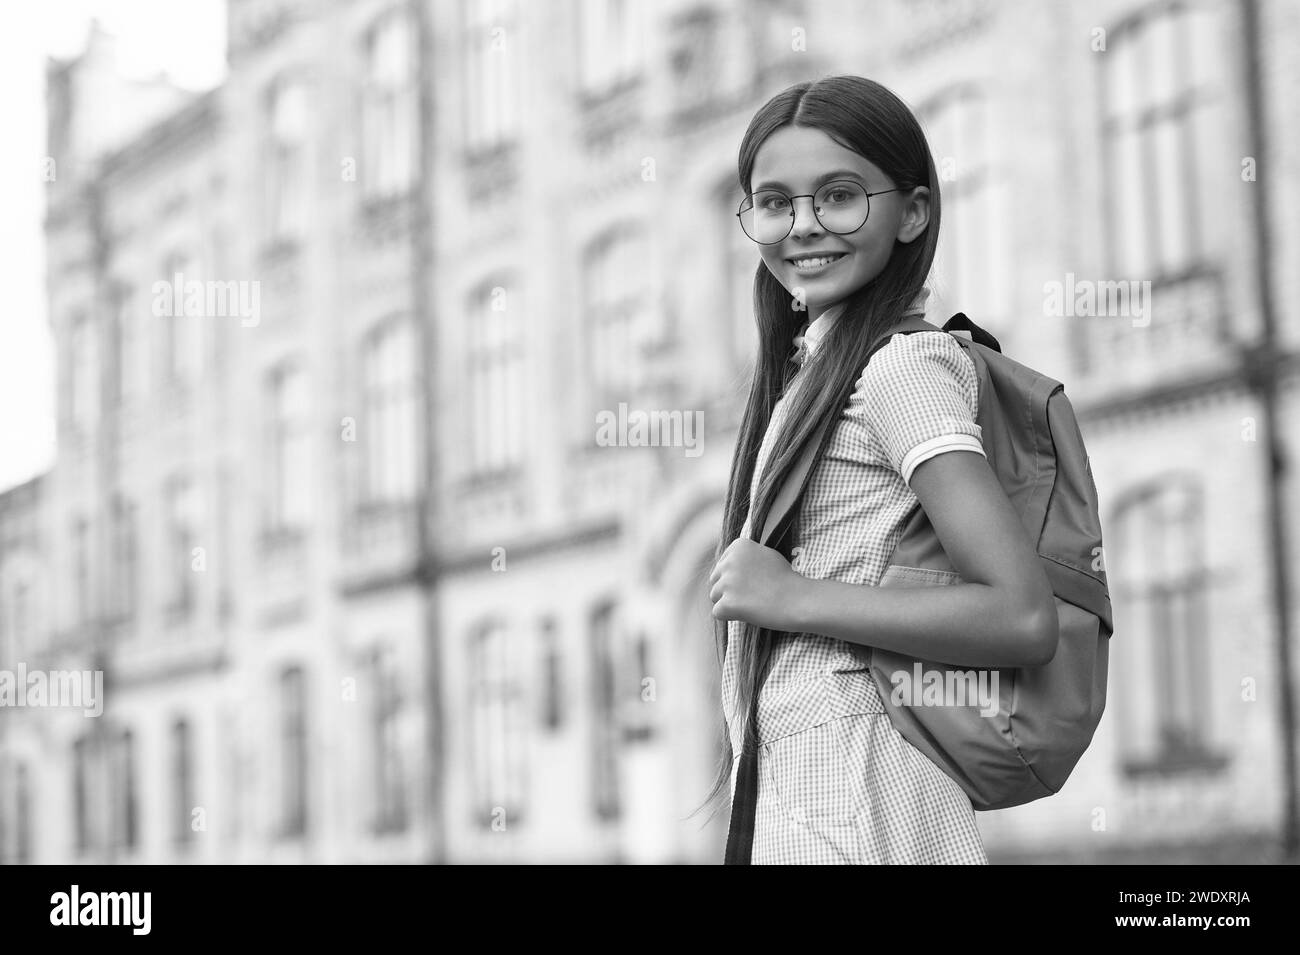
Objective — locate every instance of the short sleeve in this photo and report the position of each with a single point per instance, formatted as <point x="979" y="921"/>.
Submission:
<point x="920" y="398"/>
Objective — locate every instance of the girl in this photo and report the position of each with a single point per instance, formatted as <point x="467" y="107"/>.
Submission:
<point x="842" y="198"/>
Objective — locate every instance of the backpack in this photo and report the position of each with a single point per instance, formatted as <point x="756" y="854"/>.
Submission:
<point x="1046" y="715"/>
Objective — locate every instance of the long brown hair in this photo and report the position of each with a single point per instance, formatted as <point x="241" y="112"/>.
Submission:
<point x="866" y="117"/>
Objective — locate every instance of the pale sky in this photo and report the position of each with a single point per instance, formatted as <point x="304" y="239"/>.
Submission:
<point x="184" y="38"/>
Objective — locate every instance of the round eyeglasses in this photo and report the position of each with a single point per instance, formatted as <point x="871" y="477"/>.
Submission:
<point x="841" y="206"/>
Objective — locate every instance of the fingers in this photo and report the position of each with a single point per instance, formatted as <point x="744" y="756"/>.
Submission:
<point x="716" y="573"/>
<point x="718" y="584"/>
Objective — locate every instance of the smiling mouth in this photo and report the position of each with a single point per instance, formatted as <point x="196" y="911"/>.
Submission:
<point x="815" y="261"/>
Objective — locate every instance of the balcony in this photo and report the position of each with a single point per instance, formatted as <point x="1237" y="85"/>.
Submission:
<point x="381" y="546"/>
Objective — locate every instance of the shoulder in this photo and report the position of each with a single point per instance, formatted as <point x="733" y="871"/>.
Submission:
<point x="918" y="354"/>
<point x="918" y="391"/>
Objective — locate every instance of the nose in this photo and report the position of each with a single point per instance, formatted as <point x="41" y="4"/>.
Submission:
<point x="805" y="220"/>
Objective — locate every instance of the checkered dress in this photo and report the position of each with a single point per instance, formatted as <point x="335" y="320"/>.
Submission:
<point x="837" y="783"/>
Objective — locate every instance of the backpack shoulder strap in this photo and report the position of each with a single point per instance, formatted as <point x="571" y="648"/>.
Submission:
<point x="960" y="322"/>
<point x="783" y="507"/>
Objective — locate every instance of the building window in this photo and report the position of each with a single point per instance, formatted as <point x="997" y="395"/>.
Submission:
<point x="711" y="55"/>
<point x="224" y="534"/>
<point x="181" y="503"/>
<point x="22" y="619"/>
<point x="386" y="725"/>
<point x="85" y="376"/>
<point x="81" y="570"/>
<point x="123" y="566"/>
<point x="287" y="160"/>
<point x="972" y="267"/>
<point x="615" y="300"/>
<point x="697" y="56"/>
<point x="15" y="618"/>
<point x="293" y="753"/>
<point x="83" y="830"/>
<point x="741" y="264"/>
<point x="1155" y="84"/>
<point x="612" y="43"/>
<point x="491" y="88"/>
<point x="130" y="365"/>
<point x="22" y="853"/>
<point x="552" y="676"/>
<point x="288" y="457"/>
<point x="1161" y="588"/>
<point x="125" y="809"/>
<point x="604" y="779"/>
<point x="181" y="328"/>
<point x="498" y="727"/>
<point x="182" y="782"/>
<point x="124" y="363"/>
<point x="15" y="812"/>
<point x="389" y="110"/>
<point x="496" y="387"/>
<point x="637" y="723"/>
<point x="235" y="772"/>
<point x="391" y="431"/>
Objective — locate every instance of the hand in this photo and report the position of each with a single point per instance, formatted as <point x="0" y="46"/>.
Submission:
<point x="755" y="584"/>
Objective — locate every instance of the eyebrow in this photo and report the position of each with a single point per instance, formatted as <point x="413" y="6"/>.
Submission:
<point x="837" y="174"/>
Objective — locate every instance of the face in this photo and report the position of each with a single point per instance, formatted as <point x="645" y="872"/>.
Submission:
<point x="797" y="160"/>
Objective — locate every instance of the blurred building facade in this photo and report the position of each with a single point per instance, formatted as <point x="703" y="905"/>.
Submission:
<point x="365" y="581"/>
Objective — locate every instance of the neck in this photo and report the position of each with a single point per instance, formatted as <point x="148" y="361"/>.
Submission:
<point x="826" y="309"/>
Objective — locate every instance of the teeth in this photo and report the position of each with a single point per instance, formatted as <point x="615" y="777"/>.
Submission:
<point x="815" y="263"/>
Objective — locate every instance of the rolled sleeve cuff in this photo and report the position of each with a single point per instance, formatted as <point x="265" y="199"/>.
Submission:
<point x="938" y="445"/>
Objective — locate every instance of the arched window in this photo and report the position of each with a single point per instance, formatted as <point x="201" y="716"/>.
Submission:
<point x="492" y="52"/>
<point x="175" y="309"/>
<point x="390" y="427"/>
<point x="389" y="109"/>
<point x="1161" y="587"/>
<point x="289" y="449"/>
<point x="616" y="302"/>
<point x="287" y="119"/>
<point x="972" y="261"/>
<point x="496" y="372"/>
<point x="1161" y="104"/>
<point x="1157" y="79"/>
<point x="612" y="39"/>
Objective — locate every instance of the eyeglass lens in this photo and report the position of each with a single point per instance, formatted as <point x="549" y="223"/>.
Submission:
<point x="840" y="206"/>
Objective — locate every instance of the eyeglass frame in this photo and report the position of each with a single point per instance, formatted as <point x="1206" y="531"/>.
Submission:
<point x="750" y="196"/>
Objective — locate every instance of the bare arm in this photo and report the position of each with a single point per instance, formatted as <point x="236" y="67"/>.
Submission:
<point x="1003" y="614"/>
<point x="917" y="389"/>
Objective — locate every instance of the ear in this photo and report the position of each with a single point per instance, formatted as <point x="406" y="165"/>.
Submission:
<point x="916" y="214"/>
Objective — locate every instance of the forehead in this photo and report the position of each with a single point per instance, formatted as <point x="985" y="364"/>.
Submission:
<point x="798" y="157"/>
